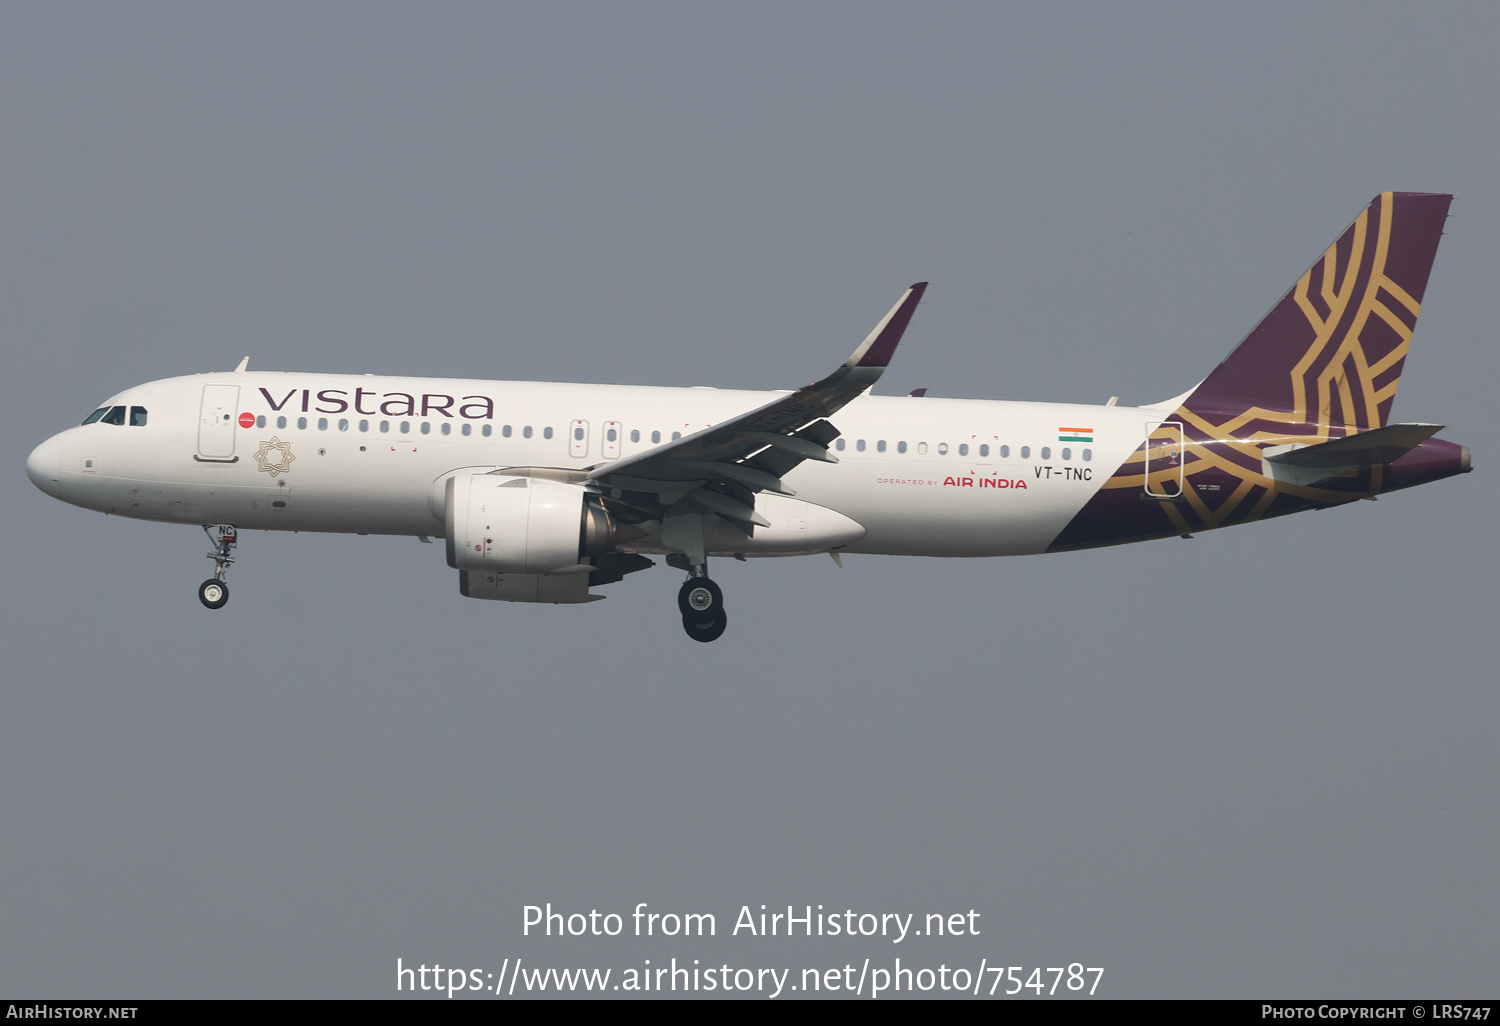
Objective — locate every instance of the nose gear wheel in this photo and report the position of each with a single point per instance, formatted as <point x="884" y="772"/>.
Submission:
<point x="213" y="593"/>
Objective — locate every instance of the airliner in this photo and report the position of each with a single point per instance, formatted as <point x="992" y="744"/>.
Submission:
<point x="544" y="492"/>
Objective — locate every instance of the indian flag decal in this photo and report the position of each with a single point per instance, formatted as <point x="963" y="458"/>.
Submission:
<point x="1067" y="434"/>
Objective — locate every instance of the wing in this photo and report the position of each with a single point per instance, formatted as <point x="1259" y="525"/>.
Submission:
<point x="722" y="467"/>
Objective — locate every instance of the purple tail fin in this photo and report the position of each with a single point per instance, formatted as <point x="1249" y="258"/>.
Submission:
<point x="1329" y="354"/>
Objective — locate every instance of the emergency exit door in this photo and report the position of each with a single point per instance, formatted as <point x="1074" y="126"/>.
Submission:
<point x="578" y="438"/>
<point x="610" y="446"/>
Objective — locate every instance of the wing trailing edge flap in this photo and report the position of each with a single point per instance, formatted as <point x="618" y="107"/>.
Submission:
<point x="725" y="465"/>
<point x="1365" y="449"/>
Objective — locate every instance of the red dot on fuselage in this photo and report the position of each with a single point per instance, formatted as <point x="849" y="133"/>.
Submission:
<point x="247" y="420"/>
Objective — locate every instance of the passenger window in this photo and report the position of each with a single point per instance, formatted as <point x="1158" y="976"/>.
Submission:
<point x="101" y="411"/>
<point x="984" y="450"/>
<point x="880" y="445"/>
<point x="447" y="428"/>
<point x="505" y="431"/>
<point x="635" y="435"/>
<point x="922" y="448"/>
<point x="1067" y="454"/>
<point x="485" y="431"/>
<point x="426" y="428"/>
<point x="610" y="435"/>
<point x="578" y="435"/>
<point x="364" y="425"/>
<point x="1025" y="452"/>
<point x="900" y="446"/>
<point x="860" y="445"/>
<point x="526" y="431"/>
<point x="942" y="448"/>
<point x="281" y="422"/>
<point x="405" y="426"/>
<point x="116" y="416"/>
<point x="676" y="435"/>
<point x="302" y="424"/>
<point x="963" y="448"/>
<point x="385" y="426"/>
<point x="343" y="425"/>
<point x="1046" y="453"/>
<point x="839" y="445"/>
<point x="546" y="432"/>
<point x="260" y="422"/>
<point x="655" y="437"/>
<point x="322" y="423"/>
<point x="1004" y="451"/>
<point x="467" y="428"/>
<point x="1088" y="454"/>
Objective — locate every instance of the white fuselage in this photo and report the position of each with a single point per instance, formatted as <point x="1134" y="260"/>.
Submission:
<point x="367" y="454"/>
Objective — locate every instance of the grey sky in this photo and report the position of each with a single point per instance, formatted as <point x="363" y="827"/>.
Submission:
<point x="1261" y="762"/>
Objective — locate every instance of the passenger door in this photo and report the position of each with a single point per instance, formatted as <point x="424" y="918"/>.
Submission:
<point x="1164" y="459"/>
<point x="216" y="424"/>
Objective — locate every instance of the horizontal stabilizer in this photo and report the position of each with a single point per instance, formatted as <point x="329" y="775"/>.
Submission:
<point x="1366" y="449"/>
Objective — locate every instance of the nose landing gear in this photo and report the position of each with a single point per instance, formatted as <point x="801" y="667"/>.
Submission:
<point x="214" y="592"/>
<point x="702" y="606"/>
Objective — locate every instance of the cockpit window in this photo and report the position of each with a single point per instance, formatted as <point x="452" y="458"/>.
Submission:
<point x="116" y="415"/>
<point x="137" y="416"/>
<point x="101" y="411"/>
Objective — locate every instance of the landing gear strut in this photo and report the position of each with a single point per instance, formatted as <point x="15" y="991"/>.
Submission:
<point x="213" y="592"/>
<point x="702" y="606"/>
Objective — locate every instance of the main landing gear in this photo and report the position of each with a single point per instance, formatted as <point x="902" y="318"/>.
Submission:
<point x="214" y="592"/>
<point x="702" y="606"/>
<point x="700" y="600"/>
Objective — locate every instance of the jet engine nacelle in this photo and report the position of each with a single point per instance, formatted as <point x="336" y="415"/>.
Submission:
<point x="521" y="525"/>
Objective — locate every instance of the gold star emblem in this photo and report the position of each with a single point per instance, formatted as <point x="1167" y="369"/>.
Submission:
<point x="275" y="456"/>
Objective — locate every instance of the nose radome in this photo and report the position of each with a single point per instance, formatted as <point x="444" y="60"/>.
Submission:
<point x="44" y="466"/>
